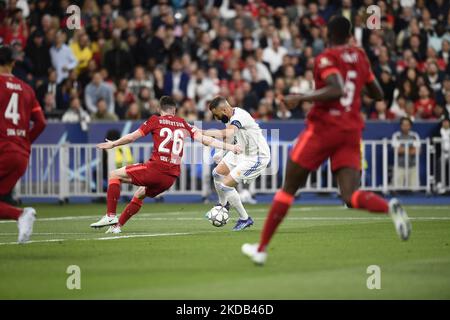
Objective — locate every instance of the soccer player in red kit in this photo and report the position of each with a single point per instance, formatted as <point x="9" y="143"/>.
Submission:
<point x="161" y="171"/>
<point x="18" y="106"/>
<point x="334" y="129"/>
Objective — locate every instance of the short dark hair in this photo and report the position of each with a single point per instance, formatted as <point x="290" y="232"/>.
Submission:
<point x="167" y="102"/>
<point x="406" y="119"/>
<point x="6" y="55"/>
<point x="216" y="102"/>
<point x="339" y="29"/>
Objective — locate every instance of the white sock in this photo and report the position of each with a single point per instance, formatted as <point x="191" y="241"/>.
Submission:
<point x="218" y="178"/>
<point x="232" y="196"/>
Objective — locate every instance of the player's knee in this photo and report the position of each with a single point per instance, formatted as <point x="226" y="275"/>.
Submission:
<point x="140" y="193"/>
<point x="217" y="175"/>
<point x="226" y="188"/>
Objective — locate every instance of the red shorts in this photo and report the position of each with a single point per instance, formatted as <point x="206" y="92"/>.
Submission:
<point x="148" y="175"/>
<point x="12" y="167"/>
<point x="314" y="147"/>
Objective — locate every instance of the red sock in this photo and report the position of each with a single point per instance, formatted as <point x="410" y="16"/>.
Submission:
<point x="8" y="212"/>
<point x="112" y="196"/>
<point x="369" y="201"/>
<point x="281" y="204"/>
<point x="131" y="209"/>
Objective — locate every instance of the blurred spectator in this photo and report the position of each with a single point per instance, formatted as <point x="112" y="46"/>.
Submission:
<point x="62" y="57"/>
<point x="49" y="107"/>
<point x="98" y="89"/>
<point x="176" y="81"/>
<point x="433" y="76"/>
<point x="381" y="112"/>
<point x="133" y="112"/>
<point x="48" y="86"/>
<point x="144" y="102"/>
<point x="38" y="52"/>
<point x="76" y="113"/>
<point x="274" y="54"/>
<point x="202" y="88"/>
<point x="118" y="60"/>
<point x="425" y="105"/>
<point x="81" y="51"/>
<point x="102" y="113"/>
<point x="139" y="81"/>
<point x="406" y="145"/>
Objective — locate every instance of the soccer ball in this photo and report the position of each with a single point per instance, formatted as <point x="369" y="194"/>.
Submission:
<point x="218" y="216"/>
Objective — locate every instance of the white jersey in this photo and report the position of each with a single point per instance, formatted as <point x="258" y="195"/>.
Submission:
<point x="249" y="136"/>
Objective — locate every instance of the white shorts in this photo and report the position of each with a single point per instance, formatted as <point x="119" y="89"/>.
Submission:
<point x="243" y="168"/>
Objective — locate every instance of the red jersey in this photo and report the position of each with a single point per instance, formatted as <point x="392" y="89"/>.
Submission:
<point x="18" y="106"/>
<point x="425" y="107"/>
<point x="354" y="67"/>
<point x="168" y="134"/>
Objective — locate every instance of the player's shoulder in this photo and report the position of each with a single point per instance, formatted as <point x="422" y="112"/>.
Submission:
<point x="19" y="86"/>
<point x="240" y="112"/>
<point x="326" y="58"/>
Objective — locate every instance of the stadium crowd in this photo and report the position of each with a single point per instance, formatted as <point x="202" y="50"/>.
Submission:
<point x="127" y="54"/>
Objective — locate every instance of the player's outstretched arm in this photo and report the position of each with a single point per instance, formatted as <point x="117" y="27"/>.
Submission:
<point x="209" y="141"/>
<point x="229" y="131"/>
<point x="333" y="90"/>
<point x="126" y="139"/>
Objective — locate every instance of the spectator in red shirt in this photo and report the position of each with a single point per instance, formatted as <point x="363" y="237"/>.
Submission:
<point x="424" y="106"/>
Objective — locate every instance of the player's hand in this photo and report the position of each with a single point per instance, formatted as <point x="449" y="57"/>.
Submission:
<point x="292" y="101"/>
<point x="237" y="149"/>
<point x="106" y="145"/>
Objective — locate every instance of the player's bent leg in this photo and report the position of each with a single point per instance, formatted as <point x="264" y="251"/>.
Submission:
<point x="130" y="210"/>
<point x="296" y="177"/>
<point x="228" y="186"/>
<point x="219" y="173"/>
<point x="348" y="181"/>
<point x="116" y="177"/>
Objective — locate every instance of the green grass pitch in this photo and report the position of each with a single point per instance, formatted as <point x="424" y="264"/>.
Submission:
<point x="169" y="251"/>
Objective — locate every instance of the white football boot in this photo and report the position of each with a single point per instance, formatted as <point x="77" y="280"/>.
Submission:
<point x="251" y="251"/>
<point x="105" y="221"/>
<point x="25" y="224"/>
<point x="401" y="220"/>
<point x="114" y="229"/>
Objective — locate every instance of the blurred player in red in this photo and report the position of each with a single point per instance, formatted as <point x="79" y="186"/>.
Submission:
<point x="334" y="130"/>
<point x="161" y="171"/>
<point x="18" y="106"/>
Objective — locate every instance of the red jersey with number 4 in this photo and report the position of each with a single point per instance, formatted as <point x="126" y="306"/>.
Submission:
<point x="168" y="134"/>
<point x="354" y="67"/>
<point x="18" y="106"/>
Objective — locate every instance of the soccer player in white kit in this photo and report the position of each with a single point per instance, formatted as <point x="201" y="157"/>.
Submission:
<point x="245" y="167"/>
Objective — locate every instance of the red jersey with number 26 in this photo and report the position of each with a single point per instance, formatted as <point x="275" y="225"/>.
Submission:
<point x="354" y="67"/>
<point x="168" y="134"/>
<point x="18" y="106"/>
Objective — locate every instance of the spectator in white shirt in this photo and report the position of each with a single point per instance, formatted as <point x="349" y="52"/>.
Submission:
<point x="76" y="113"/>
<point x="62" y="57"/>
<point x="201" y="89"/>
<point x="261" y="69"/>
<point x="274" y="54"/>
